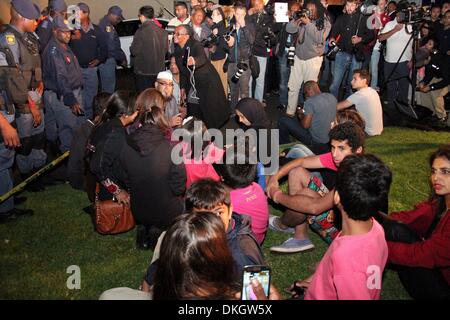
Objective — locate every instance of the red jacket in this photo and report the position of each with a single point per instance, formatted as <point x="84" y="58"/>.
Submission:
<point x="433" y="252"/>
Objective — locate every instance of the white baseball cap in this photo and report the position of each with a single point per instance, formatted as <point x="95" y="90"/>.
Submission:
<point x="165" y="75"/>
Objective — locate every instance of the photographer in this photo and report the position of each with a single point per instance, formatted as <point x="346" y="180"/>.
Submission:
<point x="285" y="56"/>
<point x="312" y="28"/>
<point x="219" y="48"/>
<point x="354" y="34"/>
<point x="398" y="54"/>
<point x="435" y="85"/>
<point x="240" y="46"/>
<point x="264" y="40"/>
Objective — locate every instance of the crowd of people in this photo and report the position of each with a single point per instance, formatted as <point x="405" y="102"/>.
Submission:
<point x="207" y="217"/>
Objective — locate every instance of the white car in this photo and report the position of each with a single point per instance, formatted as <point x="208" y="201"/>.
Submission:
<point x="126" y="30"/>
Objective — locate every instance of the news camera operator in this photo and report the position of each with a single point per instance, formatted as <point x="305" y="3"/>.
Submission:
<point x="311" y="27"/>
<point x="240" y="49"/>
<point x="265" y="39"/>
<point x="397" y="56"/>
<point x="350" y="32"/>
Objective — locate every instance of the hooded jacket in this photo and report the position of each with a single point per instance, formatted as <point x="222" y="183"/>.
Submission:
<point x="155" y="182"/>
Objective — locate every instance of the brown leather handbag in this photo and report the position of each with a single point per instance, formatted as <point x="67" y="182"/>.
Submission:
<point x="112" y="217"/>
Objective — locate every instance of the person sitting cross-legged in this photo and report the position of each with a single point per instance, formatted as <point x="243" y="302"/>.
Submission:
<point x="309" y="201"/>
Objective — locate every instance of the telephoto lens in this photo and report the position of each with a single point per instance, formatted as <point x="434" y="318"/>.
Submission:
<point x="291" y="55"/>
<point x="242" y="67"/>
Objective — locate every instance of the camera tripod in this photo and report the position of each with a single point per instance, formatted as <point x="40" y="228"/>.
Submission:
<point x="408" y="109"/>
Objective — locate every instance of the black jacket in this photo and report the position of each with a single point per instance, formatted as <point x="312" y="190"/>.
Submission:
<point x="347" y="25"/>
<point x="220" y="49"/>
<point x="439" y="68"/>
<point x="149" y="49"/>
<point x="262" y="22"/>
<point x="156" y="183"/>
<point x="108" y="139"/>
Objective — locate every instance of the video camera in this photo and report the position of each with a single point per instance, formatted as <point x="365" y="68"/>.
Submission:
<point x="302" y="13"/>
<point x="411" y="15"/>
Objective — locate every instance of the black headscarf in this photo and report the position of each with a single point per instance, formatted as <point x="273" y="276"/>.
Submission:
<point x="254" y="111"/>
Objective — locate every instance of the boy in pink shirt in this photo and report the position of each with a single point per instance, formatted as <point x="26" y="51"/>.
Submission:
<point x="352" y="268"/>
<point x="247" y="197"/>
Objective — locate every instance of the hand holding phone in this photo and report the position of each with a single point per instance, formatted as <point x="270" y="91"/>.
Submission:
<point x="255" y="282"/>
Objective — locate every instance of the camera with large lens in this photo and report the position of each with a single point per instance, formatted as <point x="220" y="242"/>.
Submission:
<point x="210" y="41"/>
<point x="242" y="67"/>
<point x="333" y="50"/>
<point x="269" y="38"/>
<point x="412" y="15"/>
<point x="302" y="13"/>
<point x="290" y="45"/>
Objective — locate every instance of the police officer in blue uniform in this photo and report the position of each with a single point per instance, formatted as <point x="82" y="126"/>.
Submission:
<point x="115" y="53"/>
<point x="45" y="28"/>
<point x="90" y="47"/>
<point x="26" y="90"/>
<point x="13" y="78"/>
<point x="63" y="81"/>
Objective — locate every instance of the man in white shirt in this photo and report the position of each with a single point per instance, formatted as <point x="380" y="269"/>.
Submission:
<point x="182" y="15"/>
<point x="366" y="101"/>
<point x="398" y="37"/>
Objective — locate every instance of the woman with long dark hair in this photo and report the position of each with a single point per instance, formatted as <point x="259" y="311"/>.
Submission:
<point x="419" y="239"/>
<point x="195" y="261"/>
<point x="106" y="141"/>
<point x="156" y="183"/>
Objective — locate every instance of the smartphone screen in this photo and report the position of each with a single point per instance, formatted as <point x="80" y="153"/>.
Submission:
<point x="262" y="274"/>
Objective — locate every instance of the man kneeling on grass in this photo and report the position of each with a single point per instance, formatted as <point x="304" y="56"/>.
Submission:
<point x="309" y="201"/>
<point x="353" y="265"/>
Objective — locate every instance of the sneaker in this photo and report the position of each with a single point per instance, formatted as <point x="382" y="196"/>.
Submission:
<point x="275" y="226"/>
<point x="292" y="245"/>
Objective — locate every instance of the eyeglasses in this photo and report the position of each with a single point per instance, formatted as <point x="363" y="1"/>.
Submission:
<point x="167" y="84"/>
<point x="179" y="34"/>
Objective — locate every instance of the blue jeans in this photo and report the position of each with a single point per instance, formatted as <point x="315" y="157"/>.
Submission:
<point x="66" y="121"/>
<point x="284" y="70"/>
<point x="344" y="62"/>
<point x="328" y="66"/>
<point x="291" y="126"/>
<point x="259" y="88"/>
<point x="35" y="157"/>
<point x="374" y="60"/>
<point x="90" y="90"/>
<point x="108" y="75"/>
<point x="6" y="162"/>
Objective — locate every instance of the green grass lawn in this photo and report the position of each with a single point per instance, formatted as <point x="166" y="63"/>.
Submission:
<point x="36" y="251"/>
